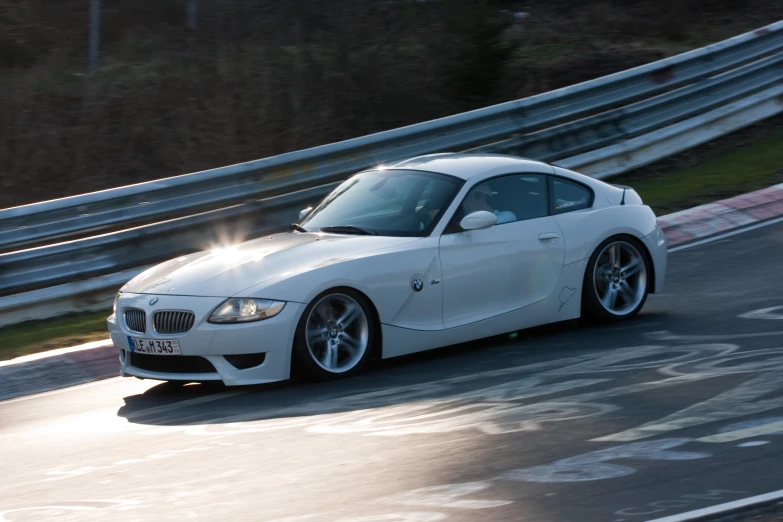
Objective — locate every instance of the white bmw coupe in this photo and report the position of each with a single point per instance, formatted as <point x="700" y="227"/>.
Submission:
<point x="429" y="252"/>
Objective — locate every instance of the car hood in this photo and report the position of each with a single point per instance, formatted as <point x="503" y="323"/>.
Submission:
<point x="225" y="272"/>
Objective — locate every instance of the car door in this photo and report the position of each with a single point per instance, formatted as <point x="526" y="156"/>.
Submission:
<point x="505" y="267"/>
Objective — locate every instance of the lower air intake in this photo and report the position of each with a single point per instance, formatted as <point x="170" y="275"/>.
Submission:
<point x="246" y="360"/>
<point x="171" y="364"/>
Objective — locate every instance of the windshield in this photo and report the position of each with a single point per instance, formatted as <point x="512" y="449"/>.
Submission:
<point x="385" y="202"/>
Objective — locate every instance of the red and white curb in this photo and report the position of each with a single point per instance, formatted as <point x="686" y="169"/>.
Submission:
<point x="71" y="351"/>
<point x="726" y="509"/>
<point x="95" y="361"/>
<point x="722" y="216"/>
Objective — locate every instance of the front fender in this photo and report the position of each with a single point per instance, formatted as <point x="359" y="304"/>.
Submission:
<point x="384" y="276"/>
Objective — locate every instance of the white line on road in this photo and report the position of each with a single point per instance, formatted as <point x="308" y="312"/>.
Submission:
<point x="111" y="380"/>
<point x="106" y="343"/>
<point x="699" y="514"/>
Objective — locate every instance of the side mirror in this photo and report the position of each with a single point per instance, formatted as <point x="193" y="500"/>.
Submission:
<point x="304" y="212"/>
<point x="478" y="220"/>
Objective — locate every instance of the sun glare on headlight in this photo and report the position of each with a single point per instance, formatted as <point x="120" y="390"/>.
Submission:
<point x="245" y="310"/>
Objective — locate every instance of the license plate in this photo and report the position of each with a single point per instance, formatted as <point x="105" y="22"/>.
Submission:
<point x="155" y="346"/>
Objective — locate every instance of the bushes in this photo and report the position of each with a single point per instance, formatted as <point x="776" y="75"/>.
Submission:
<point x="478" y="51"/>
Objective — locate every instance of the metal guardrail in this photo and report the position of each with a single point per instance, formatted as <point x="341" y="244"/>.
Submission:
<point x="186" y="213"/>
<point x="97" y="293"/>
<point x="645" y="116"/>
<point x="119" y="208"/>
<point x="662" y="143"/>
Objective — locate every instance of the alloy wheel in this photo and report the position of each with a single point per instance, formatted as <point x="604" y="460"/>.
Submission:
<point x="337" y="333"/>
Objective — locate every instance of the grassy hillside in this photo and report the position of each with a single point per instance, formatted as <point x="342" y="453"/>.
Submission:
<point x="264" y="77"/>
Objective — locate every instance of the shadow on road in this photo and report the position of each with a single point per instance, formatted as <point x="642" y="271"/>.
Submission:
<point x="467" y="378"/>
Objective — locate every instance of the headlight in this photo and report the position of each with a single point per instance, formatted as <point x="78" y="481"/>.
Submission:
<point x="245" y="310"/>
<point x="114" y="307"/>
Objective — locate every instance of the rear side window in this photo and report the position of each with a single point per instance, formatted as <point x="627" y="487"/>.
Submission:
<point x="567" y="196"/>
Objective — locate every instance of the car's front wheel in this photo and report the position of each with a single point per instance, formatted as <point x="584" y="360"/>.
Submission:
<point x="615" y="284"/>
<point x="334" y="337"/>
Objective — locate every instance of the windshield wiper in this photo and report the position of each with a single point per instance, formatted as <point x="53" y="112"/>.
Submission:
<point x="349" y="229"/>
<point x="298" y="227"/>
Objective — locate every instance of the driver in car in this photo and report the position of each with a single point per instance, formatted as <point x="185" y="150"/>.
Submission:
<point x="478" y="199"/>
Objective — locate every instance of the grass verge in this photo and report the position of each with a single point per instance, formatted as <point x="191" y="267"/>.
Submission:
<point x="748" y="160"/>
<point x="38" y="336"/>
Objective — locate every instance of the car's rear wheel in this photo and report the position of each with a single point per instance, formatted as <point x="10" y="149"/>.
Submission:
<point x="334" y="337"/>
<point x="616" y="280"/>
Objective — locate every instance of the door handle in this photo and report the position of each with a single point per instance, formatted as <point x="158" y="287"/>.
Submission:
<point x="548" y="237"/>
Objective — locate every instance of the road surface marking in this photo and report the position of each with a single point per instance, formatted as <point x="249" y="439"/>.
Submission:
<point x="737" y="402"/>
<point x="62" y="390"/>
<point x="747" y="433"/>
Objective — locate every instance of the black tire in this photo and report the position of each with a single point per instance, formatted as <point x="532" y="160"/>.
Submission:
<point x="304" y="362"/>
<point x="593" y="309"/>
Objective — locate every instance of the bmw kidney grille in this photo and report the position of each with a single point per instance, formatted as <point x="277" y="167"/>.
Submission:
<point x="136" y="320"/>
<point x="173" y="322"/>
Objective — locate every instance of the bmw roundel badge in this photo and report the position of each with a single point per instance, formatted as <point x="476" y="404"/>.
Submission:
<point x="417" y="284"/>
<point x="153" y="301"/>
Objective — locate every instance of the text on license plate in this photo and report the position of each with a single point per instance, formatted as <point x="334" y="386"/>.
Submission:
<point x="155" y="346"/>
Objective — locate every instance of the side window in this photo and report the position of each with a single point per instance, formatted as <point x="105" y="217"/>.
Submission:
<point x="532" y="199"/>
<point x="515" y="197"/>
<point x="425" y="195"/>
<point x="568" y="195"/>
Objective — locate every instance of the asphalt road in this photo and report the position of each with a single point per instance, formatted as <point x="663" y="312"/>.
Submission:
<point x="676" y="410"/>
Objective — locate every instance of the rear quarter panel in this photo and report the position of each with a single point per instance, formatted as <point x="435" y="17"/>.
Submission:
<point x="584" y="230"/>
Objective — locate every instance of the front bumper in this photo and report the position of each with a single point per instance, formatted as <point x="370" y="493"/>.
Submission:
<point x="207" y="342"/>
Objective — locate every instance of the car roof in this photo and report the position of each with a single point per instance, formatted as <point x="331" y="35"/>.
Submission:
<point x="469" y="165"/>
